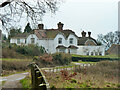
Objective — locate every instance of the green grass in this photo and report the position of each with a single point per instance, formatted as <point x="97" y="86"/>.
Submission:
<point x="13" y="59"/>
<point x="106" y="56"/>
<point x="26" y="83"/>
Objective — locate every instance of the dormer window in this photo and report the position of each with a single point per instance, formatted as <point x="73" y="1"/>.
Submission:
<point x="59" y="40"/>
<point x="71" y="40"/>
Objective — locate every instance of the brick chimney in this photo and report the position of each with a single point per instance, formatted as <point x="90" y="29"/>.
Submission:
<point x="83" y="34"/>
<point x="89" y="34"/>
<point x="60" y="26"/>
<point x="41" y="26"/>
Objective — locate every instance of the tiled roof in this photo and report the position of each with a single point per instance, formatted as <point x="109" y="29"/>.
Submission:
<point x="82" y="40"/>
<point x="22" y="35"/>
<point x="40" y="33"/>
<point x="51" y="33"/>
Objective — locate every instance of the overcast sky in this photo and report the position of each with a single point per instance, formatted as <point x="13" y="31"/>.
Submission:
<point x="97" y="16"/>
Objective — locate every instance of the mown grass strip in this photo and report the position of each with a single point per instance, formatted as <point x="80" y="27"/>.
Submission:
<point x="13" y="59"/>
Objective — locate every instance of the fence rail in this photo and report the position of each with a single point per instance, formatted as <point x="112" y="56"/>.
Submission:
<point x="67" y="67"/>
<point x="39" y="81"/>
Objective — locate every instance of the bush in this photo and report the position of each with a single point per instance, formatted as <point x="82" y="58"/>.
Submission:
<point x="62" y="58"/>
<point x="52" y="60"/>
<point x="30" y="50"/>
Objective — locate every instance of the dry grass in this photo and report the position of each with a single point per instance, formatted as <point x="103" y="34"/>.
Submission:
<point x="101" y="75"/>
<point x="10" y="67"/>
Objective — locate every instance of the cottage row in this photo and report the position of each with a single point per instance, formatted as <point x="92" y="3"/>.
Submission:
<point x="59" y="40"/>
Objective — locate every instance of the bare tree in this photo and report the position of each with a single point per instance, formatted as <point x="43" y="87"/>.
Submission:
<point x="109" y="39"/>
<point x="33" y="10"/>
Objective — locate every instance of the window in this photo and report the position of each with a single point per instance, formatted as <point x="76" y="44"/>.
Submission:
<point x="91" y="53"/>
<point x="71" y="40"/>
<point x="60" y="40"/>
<point x="18" y="41"/>
<point x="100" y="54"/>
<point x="32" y="40"/>
<point x="87" y="53"/>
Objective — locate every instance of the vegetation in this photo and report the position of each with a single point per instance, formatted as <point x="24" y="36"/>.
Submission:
<point x="26" y="83"/>
<point x="31" y="11"/>
<point x="47" y="60"/>
<point x="109" y="39"/>
<point x="14" y="32"/>
<point x="102" y="75"/>
<point x="13" y="66"/>
<point x="28" y="28"/>
<point x="14" y="51"/>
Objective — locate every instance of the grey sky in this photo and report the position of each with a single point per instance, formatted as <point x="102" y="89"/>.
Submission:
<point x="97" y="16"/>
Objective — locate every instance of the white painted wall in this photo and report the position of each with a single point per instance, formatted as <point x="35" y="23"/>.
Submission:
<point x="22" y="40"/>
<point x="82" y="50"/>
<point x="73" y="51"/>
<point x="14" y="40"/>
<point x="74" y="40"/>
<point x="28" y="40"/>
<point x="48" y="44"/>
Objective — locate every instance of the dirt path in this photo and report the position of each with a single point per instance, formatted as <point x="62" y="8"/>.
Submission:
<point x="13" y="81"/>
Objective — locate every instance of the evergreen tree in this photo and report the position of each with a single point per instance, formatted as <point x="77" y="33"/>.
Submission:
<point x="27" y="28"/>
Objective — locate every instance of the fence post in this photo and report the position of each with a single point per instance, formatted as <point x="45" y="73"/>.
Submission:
<point x="33" y="75"/>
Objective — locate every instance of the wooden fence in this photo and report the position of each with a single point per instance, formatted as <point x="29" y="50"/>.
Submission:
<point x="39" y="81"/>
<point x="68" y="68"/>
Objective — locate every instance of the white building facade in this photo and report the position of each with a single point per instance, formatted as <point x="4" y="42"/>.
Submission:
<point x="59" y="40"/>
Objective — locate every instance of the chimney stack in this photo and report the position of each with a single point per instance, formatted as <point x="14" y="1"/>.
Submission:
<point x="89" y="34"/>
<point x="60" y="26"/>
<point x="41" y="26"/>
<point x="83" y="34"/>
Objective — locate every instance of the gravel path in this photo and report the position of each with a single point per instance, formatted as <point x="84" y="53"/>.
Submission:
<point x="13" y="81"/>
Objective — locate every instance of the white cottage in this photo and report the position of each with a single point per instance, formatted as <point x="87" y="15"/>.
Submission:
<point x="59" y="40"/>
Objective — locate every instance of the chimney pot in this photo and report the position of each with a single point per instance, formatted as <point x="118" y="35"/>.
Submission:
<point x="60" y="26"/>
<point x="89" y="34"/>
<point x="41" y="26"/>
<point x="83" y="34"/>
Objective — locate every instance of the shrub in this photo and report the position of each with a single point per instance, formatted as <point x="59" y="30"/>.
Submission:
<point x="30" y="50"/>
<point x="52" y="60"/>
<point x="62" y="58"/>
